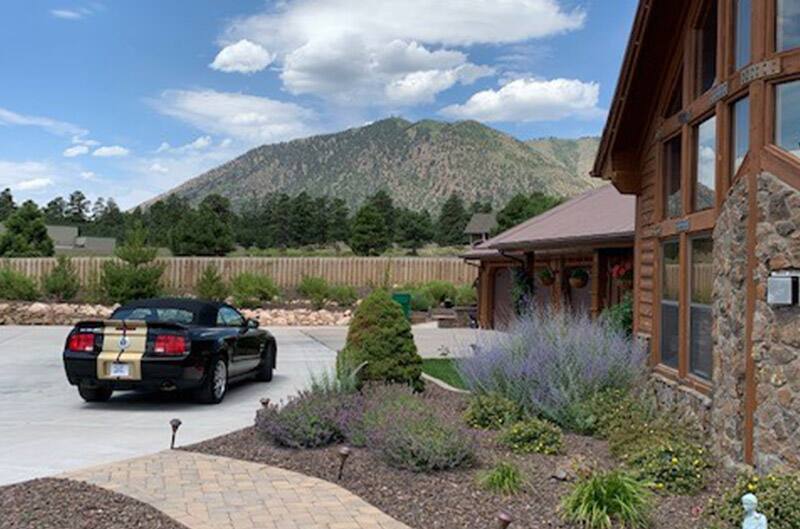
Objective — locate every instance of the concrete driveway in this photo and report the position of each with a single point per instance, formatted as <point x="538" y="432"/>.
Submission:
<point x="47" y="428"/>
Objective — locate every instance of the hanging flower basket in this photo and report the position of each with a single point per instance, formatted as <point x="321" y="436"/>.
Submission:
<point x="578" y="278"/>
<point x="547" y="277"/>
<point x="623" y="274"/>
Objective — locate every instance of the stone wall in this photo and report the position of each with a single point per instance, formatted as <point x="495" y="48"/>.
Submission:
<point x="776" y="330"/>
<point x="729" y="314"/>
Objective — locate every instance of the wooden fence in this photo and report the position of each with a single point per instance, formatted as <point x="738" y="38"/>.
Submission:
<point x="181" y="273"/>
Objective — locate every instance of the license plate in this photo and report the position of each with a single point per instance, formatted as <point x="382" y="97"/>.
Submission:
<point x="120" y="370"/>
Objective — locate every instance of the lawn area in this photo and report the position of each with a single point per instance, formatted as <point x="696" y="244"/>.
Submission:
<point x="444" y="369"/>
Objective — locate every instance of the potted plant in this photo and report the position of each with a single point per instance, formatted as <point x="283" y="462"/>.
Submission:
<point x="578" y="278"/>
<point x="623" y="274"/>
<point x="547" y="277"/>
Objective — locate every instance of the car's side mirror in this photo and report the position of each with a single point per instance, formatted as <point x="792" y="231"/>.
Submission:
<point x="251" y="323"/>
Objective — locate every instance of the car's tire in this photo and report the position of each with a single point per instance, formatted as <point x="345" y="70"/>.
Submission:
<point x="215" y="384"/>
<point x="95" y="394"/>
<point x="264" y="371"/>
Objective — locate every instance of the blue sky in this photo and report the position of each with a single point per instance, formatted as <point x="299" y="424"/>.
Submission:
<point x="130" y="98"/>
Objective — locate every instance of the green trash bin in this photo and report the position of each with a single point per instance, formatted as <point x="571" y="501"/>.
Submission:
<point x="404" y="299"/>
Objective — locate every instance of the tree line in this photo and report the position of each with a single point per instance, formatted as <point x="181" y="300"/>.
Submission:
<point x="276" y="220"/>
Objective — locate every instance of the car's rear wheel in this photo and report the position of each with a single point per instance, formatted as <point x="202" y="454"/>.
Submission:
<point x="94" y="394"/>
<point x="264" y="372"/>
<point x="215" y="385"/>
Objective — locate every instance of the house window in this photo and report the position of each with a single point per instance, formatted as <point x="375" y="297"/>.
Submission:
<point x="707" y="50"/>
<point x="741" y="132"/>
<point x="788" y="25"/>
<point x="702" y="280"/>
<point x="787" y="116"/>
<point x="676" y="99"/>
<point x="670" y="308"/>
<point x="743" y="12"/>
<point x="705" y="171"/>
<point x="673" y="205"/>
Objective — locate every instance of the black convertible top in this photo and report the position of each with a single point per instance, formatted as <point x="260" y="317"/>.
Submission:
<point x="205" y="312"/>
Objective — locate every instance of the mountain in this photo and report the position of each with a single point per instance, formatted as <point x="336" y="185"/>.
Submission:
<point x="420" y="164"/>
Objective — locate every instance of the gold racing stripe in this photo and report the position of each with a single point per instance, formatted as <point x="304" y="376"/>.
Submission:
<point x="117" y="350"/>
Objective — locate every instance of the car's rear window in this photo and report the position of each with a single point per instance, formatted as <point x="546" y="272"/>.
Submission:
<point x="166" y="315"/>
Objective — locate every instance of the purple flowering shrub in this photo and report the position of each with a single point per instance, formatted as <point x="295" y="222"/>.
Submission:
<point x="408" y="434"/>
<point x="311" y="419"/>
<point x="553" y="363"/>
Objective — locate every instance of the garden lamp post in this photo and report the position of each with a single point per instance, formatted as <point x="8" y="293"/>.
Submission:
<point x="174" y="424"/>
<point x="504" y="519"/>
<point x="344" y="453"/>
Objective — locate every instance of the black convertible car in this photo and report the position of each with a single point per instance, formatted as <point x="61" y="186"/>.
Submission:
<point x="168" y="344"/>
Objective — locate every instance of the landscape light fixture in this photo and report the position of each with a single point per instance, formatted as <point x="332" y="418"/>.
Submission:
<point x="504" y="519"/>
<point x="174" y="424"/>
<point x="344" y="453"/>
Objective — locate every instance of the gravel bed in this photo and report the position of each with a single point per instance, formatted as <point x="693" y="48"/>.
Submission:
<point x="452" y="499"/>
<point x="65" y="504"/>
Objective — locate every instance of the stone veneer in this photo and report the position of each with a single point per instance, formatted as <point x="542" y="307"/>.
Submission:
<point x="776" y="332"/>
<point x="729" y="314"/>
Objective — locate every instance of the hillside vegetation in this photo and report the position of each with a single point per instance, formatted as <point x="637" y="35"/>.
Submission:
<point x="420" y="164"/>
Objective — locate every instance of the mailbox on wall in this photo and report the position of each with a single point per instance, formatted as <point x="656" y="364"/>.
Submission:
<point x="783" y="288"/>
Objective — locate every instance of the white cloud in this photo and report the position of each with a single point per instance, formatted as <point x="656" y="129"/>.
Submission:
<point x="33" y="184"/>
<point x="109" y="151"/>
<point x="89" y="175"/>
<point x="250" y="119"/>
<point x="423" y="86"/>
<point x="243" y="56"/>
<point x="53" y="126"/>
<point x="75" y="150"/>
<point x="158" y="168"/>
<point x="67" y="14"/>
<point x="524" y="100"/>
<point x="352" y="51"/>
<point x="26" y="176"/>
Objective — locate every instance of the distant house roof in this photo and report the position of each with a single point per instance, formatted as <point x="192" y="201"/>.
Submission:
<point x="63" y="236"/>
<point x="481" y="223"/>
<point x="598" y="216"/>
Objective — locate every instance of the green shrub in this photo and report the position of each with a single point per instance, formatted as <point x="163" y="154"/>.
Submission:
<point x="380" y="338"/>
<point x="135" y="275"/>
<point x="602" y="501"/>
<point x="492" y="412"/>
<point x="503" y="478"/>
<point x="778" y="499"/>
<point x="253" y="290"/>
<point x="675" y="466"/>
<point x="314" y="289"/>
<point x="62" y="283"/>
<point x="466" y="295"/>
<point x="15" y="286"/>
<point x="605" y="411"/>
<point x="93" y="290"/>
<point x="409" y="435"/>
<point x="533" y="436"/>
<point x="211" y="286"/>
<point x="620" y="316"/>
<point x="440" y="291"/>
<point x="343" y="295"/>
<point x="421" y="300"/>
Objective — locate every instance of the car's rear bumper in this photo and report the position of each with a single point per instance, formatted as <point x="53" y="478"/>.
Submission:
<point x="156" y="373"/>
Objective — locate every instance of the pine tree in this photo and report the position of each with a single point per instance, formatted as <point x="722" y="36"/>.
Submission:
<point x="204" y="231"/>
<point x="414" y="229"/>
<point x="77" y="208"/>
<point x="451" y="222"/>
<point x="7" y="205"/>
<point x="385" y="205"/>
<point x="25" y="234"/>
<point x="522" y="207"/>
<point x="369" y="235"/>
<point x="338" y="221"/>
<point x="55" y="211"/>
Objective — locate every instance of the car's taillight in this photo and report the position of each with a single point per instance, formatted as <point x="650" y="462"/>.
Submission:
<point x="169" y="344"/>
<point x="81" y="342"/>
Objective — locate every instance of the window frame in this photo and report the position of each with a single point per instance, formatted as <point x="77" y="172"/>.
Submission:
<point x="689" y="278"/>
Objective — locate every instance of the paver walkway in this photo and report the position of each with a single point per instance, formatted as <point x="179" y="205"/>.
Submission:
<point x="209" y="492"/>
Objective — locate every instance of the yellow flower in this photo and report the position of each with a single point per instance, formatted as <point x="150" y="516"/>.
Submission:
<point x="674" y="460"/>
<point x="751" y="487"/>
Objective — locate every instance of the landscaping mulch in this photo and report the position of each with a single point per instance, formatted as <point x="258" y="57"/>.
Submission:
<point x="52" y="503"/>
<point x="452" y="499"/>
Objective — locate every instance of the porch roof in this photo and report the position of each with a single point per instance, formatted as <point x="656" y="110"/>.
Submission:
<point x="599" y="216"/>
